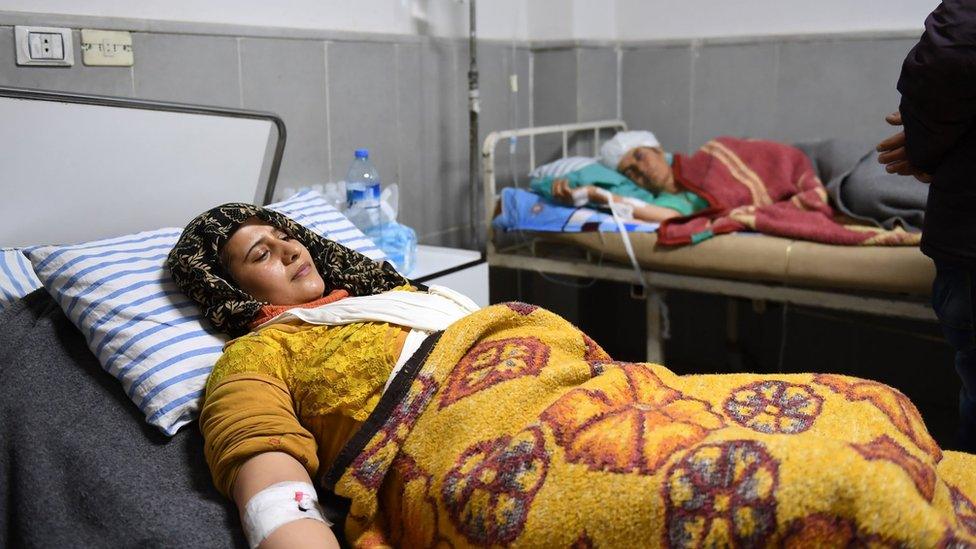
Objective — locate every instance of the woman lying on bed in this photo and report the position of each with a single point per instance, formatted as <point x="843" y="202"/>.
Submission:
<point x="635" y="170"/>
<point x="448" y="425"/>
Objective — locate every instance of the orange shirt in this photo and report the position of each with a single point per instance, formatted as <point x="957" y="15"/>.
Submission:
<point x="303" y="390"/>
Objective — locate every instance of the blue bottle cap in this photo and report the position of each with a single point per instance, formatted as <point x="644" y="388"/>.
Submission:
<point x="362" y="153"/>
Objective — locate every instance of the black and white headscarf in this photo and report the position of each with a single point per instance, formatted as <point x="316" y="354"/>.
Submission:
<point x="196" y="268"/>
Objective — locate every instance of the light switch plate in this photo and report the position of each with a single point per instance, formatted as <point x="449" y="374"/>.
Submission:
<point x="44" y="46"/>
<point x="102" y="48"/>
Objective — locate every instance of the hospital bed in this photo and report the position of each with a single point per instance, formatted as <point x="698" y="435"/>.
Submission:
<point x="883" y="281"/>
<point x="79" y="465"/>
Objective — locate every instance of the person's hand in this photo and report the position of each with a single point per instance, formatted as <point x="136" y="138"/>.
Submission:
<point x="895" y="157"/>
<point x="561" y="192"/>
<point x="596" y="195"/>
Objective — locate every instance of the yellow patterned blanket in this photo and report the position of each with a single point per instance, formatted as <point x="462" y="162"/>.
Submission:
<point x="518" y="429"/>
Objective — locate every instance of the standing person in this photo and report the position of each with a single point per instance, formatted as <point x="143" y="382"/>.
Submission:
<point x="938" y="145"/>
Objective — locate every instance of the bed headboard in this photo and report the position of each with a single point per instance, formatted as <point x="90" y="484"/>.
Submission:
<point x="568" y="132"/>
<point x="81" y="167"/>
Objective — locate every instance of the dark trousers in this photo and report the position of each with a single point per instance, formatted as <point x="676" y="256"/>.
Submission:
<point x="954" y="299"/>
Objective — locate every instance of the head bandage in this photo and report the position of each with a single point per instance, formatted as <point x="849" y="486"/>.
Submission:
<point x="278" y="505"/>
<point x="613" y="150"/>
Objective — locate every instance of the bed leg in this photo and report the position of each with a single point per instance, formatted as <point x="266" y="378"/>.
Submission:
<point x="655" y="343"/>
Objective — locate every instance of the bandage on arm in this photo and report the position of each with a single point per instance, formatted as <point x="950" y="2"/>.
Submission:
<point x="264" y="471"/>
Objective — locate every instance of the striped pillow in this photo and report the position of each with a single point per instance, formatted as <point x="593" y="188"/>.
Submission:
<point x="17" y="278"/>
<point x="143" y="330"/>
<point x="561" y="167"/>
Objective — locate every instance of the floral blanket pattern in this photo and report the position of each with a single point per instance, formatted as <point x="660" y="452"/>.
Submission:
<point x="519" y="430"/>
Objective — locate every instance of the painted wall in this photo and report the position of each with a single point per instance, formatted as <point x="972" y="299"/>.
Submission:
<point x="660" y="19"/>
<point x="538" y="20"/>
<point x="497" y="19"/>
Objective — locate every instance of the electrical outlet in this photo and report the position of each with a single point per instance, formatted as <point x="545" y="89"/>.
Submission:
<point x="44" y="46"/>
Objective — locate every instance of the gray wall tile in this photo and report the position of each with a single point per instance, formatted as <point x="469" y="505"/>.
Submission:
<point x="429" y="140"/>
<point x="362" y="105"/>
<point x="555" y="97"/>
<point x="734" y="92"/>
<point x="596" y="84"/>
<point x="556" y="86"/>
<point x="415" y="188"/>
<point x="287" y="77"/>
<point x="439" y="141"/>
<point x="656" y="93"/>
<point x="445" y="143"/>
<point x="839" y="89"/>
<point x="187" y="68"/>
<point x="115" y="81"/>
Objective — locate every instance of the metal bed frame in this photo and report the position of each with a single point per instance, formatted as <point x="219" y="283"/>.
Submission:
<point x="524" y="256"/>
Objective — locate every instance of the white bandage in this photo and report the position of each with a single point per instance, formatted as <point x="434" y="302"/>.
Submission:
<point x="580" y="197"/>
<point x="613" y="151"/>
<point x="277" y="505"/>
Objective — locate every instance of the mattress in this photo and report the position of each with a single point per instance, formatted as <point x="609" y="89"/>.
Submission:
<point x="80" y="466"/>
<point x="755" y="257"/>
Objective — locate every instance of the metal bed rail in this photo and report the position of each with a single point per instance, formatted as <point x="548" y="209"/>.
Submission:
<point x="564" y="130"/>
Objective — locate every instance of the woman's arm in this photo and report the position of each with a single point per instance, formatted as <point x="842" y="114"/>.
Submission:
<point x="644" y="212"/>
<point x="269" y="468"/>
<point x="654" y="214"/>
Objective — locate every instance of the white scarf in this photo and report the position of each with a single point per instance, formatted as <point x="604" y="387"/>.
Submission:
<point x="422" y="312"/>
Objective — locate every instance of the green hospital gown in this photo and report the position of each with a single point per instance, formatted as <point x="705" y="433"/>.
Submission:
<point x="684" y="202"/>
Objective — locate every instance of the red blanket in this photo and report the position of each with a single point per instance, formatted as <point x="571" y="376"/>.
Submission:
<point x="763" y="186"/>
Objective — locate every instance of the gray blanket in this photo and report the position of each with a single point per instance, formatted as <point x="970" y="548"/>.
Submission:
<point x="79" y="467"/>
<point x="860" y="188"/>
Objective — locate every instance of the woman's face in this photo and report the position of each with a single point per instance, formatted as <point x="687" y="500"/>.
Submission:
<point x="648" y="167"/>
<point x="269" y="264"/>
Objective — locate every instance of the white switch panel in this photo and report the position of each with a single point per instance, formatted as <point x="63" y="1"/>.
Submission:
<point x="106" y="48"/>
<point x="44" y="46"/>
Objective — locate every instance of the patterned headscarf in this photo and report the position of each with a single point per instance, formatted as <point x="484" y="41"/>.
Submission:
<point x="196" y="268"/>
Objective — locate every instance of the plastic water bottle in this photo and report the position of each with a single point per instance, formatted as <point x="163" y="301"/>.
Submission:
<point x="362" y="182"/>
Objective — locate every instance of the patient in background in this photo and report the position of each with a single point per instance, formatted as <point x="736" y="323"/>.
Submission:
<point x="633" y="169"/>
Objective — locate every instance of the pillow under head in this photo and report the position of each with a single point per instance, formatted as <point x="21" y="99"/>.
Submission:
<point x="142" y="329"/>
<point x="561" y="167"/>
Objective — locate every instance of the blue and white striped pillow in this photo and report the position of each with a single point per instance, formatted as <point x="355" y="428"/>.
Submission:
<point x="561" y="167"/>
<point x="17" y="278"/>
<point x="143" y="330"/>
